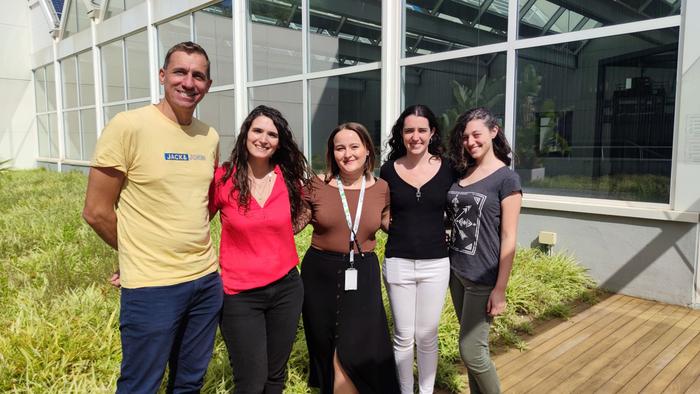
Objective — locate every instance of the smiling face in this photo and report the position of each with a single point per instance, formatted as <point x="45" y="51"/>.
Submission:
<point x="416" y="134"/>
<point x="349" y="152"/>
<point x="263" y="138"/>
<point x="477" y="139"/>
<point x="185" y="81"/>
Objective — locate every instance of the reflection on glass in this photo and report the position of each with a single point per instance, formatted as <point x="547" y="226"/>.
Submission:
<point x="70" y="83"/>
<point x="275" y="38"/>
<point x="113" y="71"/>
<point x="40" y="89"/>
<point x="112" y="110"/>
<point x="344" y="33"/>
<point x="214" y="32"/>
<point x="86" y="78"/>
<point x="452" y="87"/>
<point x="171" y="33"/>
<point x="433" y="26"/>
<point x="216" y="110"/>
<point x="544" y="17"/>
<point x="137" y="72"/>
<point x="286" y="98"/>
<point x="50" y="87"/>
<point x="71" y="126"/>
<point x="115" y="7"/>
<point x="53" y="135"/>
<point x="43" y="135"/>
<point x="346" y="98"/>
<point x="77" y="18"/>
<point x="89" y="132"/>
<point x="598" y="122"/>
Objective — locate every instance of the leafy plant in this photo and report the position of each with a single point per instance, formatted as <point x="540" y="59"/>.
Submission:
<point x="527" y="132"/>
<point x="487" y="93"/>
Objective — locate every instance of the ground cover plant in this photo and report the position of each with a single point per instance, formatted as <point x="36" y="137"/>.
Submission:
<point x="59" y="316"/>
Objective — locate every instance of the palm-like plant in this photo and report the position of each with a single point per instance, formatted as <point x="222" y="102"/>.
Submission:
<point x="487" y="93"/>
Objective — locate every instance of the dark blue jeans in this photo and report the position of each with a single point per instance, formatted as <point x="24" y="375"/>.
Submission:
<point x="173" y="325"/>
<point x="259" y="327"/>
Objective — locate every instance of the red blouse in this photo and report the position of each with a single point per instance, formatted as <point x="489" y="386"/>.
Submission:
<point x="257" y="245"/>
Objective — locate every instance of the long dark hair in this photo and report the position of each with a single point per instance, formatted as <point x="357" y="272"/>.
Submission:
<point x="462" y="160"/>
<point x="332" y="169"/>
<point x="295" y="169"/>
<point x="395" y="144"/>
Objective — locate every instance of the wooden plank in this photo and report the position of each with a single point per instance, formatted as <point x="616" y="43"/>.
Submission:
<point x="649" y="353"/>
<point x="621" y="360"/>
<point x="545" y="353"/>
<point x="587" y="363"/>
<point x="687" y="376"/>
<point x="649" y="372"/>
<point x="614" y="301"/>
<point x="674" y="368"/>
<point x="584" y="341"/>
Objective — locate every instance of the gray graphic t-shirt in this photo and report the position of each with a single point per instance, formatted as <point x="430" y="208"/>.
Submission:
<point x="475" y="214"/>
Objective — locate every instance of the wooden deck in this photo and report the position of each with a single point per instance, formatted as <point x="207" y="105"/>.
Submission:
<point x="620" y="345"/>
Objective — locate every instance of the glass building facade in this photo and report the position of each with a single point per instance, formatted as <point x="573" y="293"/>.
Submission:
<point x="586" y="91"/>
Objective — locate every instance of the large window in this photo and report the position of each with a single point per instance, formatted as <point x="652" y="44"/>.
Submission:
<point x="76" y="17"/>
<point x="79" y="126"/>
<point x="346" y="98"/>
<point x="125" y="74"/>
<point x="115" y="7"/>
<point x="275" y="38"/>
<point x="595" y="118"/>
<point x="436" y="25"/>
<point x="45" y="97"/>
<point x="287" y="98"/>
<point x="344" y="33"/>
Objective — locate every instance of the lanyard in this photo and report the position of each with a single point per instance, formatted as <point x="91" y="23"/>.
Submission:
<point x="353" y="227"/>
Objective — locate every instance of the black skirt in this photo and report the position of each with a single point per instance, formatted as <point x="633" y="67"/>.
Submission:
<point x="353" y="323"/>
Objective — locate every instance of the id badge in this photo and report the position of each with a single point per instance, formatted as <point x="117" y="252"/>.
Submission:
<point x="351" y="279"/>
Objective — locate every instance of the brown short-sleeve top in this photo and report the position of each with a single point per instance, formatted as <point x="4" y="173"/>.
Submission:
<point x="331" y="232"/>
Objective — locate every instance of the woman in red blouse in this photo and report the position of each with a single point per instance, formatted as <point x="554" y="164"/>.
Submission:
<point x="259" y="195"/>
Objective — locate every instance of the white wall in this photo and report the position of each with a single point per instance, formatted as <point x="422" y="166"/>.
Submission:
<point x="17" y="129"/>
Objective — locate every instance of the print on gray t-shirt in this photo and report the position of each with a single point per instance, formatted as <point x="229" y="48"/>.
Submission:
<point x="475" y="213"/>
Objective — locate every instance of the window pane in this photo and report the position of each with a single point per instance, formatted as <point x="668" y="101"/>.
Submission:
<point x="70" y="84"/>
<point x="71" y="122"/>
<point x="171" y="33"/>
<point x="53" y="135"/>
<point x="77" y="18"/>
<point x="51" y="87"/>
<point x="557" y="16"/>
<point x="286" y="98"/>
<point x="88" y="123"/>
<point x="437" y="26"/>
<point x="344" y="33"/>
<point x="353" y="97"/>
<point x="40" y="89"/>
<point x="452" y="87"/>
<point x="216" y="110"/>
<point x="42" y="126"/>
<point x="137" y="65"/>
<point x="113" y="72"/>
<point x="114" y="7"/>
<point x="595" y="118"/>
<point x="275" y="29"/>
<point x="112" y="110"/>
<point x="214" y="32"/>
<point x="87" y="79"/>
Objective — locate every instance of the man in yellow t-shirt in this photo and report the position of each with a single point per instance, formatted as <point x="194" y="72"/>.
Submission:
<point x="147" y="198"/>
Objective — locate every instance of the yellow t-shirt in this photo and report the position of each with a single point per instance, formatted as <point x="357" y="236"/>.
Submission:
<point x="162" y="216"/>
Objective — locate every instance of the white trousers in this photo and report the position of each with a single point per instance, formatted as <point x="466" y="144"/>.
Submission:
<point x="416" y="291"/>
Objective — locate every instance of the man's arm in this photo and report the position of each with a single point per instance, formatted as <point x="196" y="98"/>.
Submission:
<point x="104" y="186"/>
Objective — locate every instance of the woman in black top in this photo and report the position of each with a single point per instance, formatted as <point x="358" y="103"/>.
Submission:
<point x="483" y="207"/>
<point x="416" y="269"/>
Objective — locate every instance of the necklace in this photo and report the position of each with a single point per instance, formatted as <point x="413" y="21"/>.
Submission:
<point x="261" y="188"/>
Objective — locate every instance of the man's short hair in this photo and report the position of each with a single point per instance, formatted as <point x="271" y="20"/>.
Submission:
<point x="189" y="48"/>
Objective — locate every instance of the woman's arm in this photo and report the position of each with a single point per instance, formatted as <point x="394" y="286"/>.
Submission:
<point x="510" y="210"/>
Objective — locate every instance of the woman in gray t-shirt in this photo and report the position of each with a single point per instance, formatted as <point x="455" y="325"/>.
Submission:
<point x="483" y="208"/>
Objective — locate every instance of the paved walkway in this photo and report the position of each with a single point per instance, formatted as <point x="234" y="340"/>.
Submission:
<point x="620" y="345"/>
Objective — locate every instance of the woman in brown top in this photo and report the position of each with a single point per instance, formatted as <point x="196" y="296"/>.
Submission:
<point x="344" y="318"/>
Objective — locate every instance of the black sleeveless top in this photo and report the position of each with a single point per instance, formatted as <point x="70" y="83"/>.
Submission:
<point x="417" y="228"/>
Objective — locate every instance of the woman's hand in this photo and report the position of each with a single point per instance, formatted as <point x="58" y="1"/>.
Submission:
<point x="497" y="302"/>
<point x="114" y="280"/>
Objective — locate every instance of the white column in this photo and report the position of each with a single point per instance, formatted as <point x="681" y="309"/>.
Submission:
<point x="97" y="78"/>
<point x="511" y="71"/>
<point x="59" y="106"/>
<point x="391" y="71"/>
<point x="153" y="65"/>
<point x="240" y="67"/>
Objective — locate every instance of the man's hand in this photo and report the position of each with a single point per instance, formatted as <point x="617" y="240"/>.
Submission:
<point x="114" y="280"/>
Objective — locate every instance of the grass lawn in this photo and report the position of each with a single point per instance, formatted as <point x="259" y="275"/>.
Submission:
<point x="59" y="316"/>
